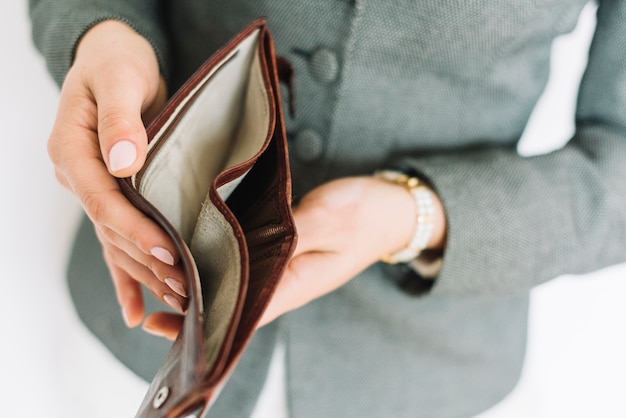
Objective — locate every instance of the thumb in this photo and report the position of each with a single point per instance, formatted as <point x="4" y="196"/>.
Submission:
<point x="121" y="132"/>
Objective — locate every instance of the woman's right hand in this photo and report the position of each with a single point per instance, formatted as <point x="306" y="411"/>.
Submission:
<point x="114" y="86"/>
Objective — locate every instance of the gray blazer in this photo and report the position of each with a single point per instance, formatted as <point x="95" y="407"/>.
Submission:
<point x="444" y="88"/>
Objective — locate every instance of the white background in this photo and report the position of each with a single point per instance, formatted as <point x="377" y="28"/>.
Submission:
<point x="51" y="367"/>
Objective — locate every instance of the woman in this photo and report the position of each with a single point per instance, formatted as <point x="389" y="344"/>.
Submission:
<point x="439" y="91"/>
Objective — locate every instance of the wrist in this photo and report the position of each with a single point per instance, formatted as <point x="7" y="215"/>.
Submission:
<point x="427" y="222"/>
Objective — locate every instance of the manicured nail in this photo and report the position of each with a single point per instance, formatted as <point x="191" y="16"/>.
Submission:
<point x="125" y="316"/>
<point x="122" y="155"/>
<point x="163" y="255"/>
<point x="173" y="302"/>
<point x="152" y="331"/>
<point x="176" y="286"/>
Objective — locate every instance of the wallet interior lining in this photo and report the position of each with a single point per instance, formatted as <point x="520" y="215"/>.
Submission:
<point x="226" y="125"/>
<point x="222" y="295"/>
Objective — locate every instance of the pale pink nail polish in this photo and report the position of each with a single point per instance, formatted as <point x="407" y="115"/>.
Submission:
<point x="173" y="302"/>
<point x="122" y="155"/>
<point x="125" y="316"/>
<point x="163" y="255"/>
<point x="176" y="286"/>
<point x="153" y="331"/>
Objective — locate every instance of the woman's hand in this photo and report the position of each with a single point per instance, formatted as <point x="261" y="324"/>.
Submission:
<point x="344" y="226"/>
<point x="98" y="135"/>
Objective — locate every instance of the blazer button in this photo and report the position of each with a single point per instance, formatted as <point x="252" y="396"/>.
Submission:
<point x="308" y="145"/>
<point x="324" y="65"/>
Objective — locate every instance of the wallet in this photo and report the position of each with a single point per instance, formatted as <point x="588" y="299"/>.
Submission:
<point x="217" y="180"/>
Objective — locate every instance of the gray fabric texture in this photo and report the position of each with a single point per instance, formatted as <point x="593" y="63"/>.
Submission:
<point x="446" y="88"/>
<point x="58" y="26"/>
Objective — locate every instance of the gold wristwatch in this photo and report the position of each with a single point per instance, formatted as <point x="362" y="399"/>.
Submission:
<point x="425" y="209"/>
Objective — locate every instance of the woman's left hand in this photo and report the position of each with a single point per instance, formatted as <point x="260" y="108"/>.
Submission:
<point x="344" y="226"/>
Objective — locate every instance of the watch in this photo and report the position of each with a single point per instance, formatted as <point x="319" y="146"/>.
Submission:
<point x="425" y="210"/>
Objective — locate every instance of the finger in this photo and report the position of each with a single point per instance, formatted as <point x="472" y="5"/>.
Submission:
<point x="73" y="148"/>
<point x="142" y="274"/>
<point x="172" y="276"/>
<point x="129" y="296"/>
<point x="106" y="206"/>
<point x="61" y="178"/>
<point x="163" y="324"/>
<point x="121" y="132"/>
<point x="154" y="107"/>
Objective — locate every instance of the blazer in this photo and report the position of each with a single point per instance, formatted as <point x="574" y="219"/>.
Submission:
<point x="444" y="88"/>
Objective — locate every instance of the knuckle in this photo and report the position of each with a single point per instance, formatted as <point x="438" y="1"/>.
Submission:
<point x="139" y="235"/>
<point x="54" y="151"/>
<point x="94" y="206"/>
<point x="98" y="230"/>
<point x="110" y="118"/>
<point x="61" y="179"/>
<point x="152" y="266"/>
<point x="112" y="254"/>
<point x="109" y="235"/>
<point x="109" y="258"/>
<point x="134" y="237"/>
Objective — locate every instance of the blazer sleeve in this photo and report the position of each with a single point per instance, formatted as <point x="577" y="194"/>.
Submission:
<point x="515" y="222"/>
<point x="58" y="25"/>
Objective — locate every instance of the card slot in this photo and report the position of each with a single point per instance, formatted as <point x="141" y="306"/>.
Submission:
<point x="217" y="252"/>
<point x="216" y="249"/>
<point x="257" y="207"/>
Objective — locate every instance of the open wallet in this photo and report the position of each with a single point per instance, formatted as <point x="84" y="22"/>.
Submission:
<point x="217" y="180"/>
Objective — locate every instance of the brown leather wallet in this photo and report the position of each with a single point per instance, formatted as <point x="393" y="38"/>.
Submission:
<point x="217" y="180"/>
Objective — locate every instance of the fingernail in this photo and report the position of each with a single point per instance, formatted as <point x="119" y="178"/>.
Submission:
<point x="163" y="255"/>
<point x="152" y="331"/>
<point x="122" y="155"/>
<point x="176" y="286"/>
<point x="125" y="316"/>
<point x="173" y="302"/>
